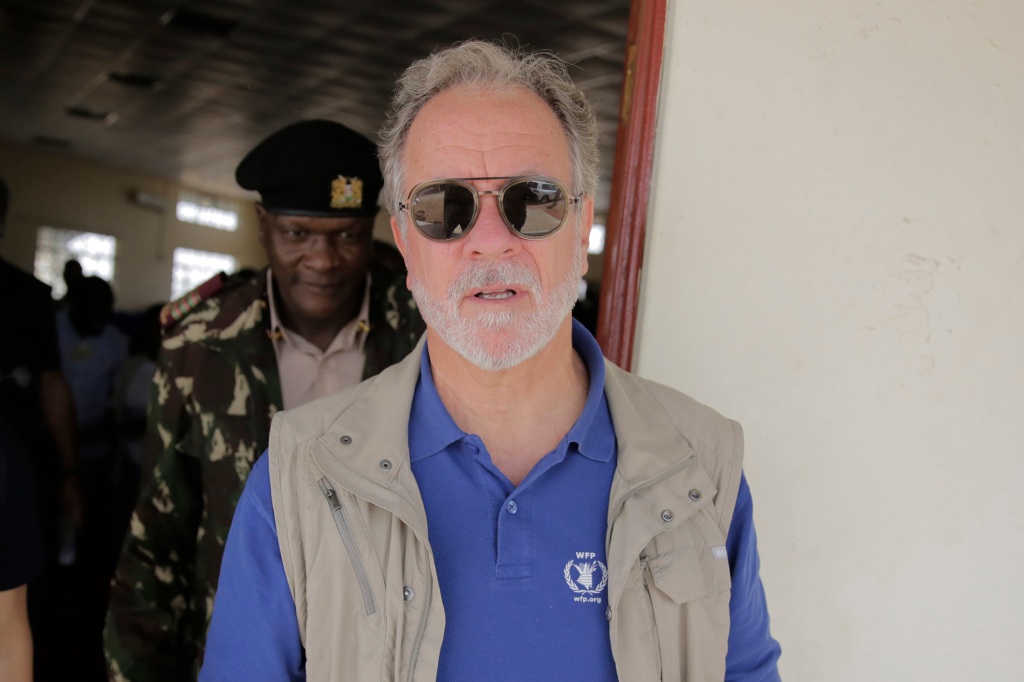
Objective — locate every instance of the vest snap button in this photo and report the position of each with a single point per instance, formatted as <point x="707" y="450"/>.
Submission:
<point x="346" y="440"/>
<point x="385" y="465"/>
<point x="408" y="593"/>
<point x="694" y="494"/>
<point x="667" y="515"/>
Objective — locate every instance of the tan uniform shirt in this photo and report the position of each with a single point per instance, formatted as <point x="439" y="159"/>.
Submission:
<point x="306" y="371"/>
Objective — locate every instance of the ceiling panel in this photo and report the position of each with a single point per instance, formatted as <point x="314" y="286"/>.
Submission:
<point x="192" y="85"/>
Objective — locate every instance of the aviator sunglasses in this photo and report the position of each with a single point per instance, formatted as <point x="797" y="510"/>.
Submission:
<point x="532" y="206"/>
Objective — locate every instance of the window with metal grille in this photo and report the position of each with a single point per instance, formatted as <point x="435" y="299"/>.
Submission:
<point x="192" y="267"/>
<point x="55" y="247"/>
<point x="203" y="209"/>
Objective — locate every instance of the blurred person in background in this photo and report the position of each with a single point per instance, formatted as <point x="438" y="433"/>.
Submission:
<point x="72" y="274"/>
<point x="92" y="352"/>
<point x="37" y="409"/>
<point x="21" y="555"/>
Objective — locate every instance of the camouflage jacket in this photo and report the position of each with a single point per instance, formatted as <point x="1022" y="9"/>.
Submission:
<point x="215" y="390"/>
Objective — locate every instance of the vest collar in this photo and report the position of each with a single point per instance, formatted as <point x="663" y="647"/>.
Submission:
<point x="367" y="445"/>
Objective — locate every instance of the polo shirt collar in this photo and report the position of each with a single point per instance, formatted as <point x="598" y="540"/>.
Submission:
<point x="432" y="429"/>
<point x="592" y="433"/>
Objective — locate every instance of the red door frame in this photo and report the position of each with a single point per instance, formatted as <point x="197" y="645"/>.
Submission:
<point x="631" y="182"/>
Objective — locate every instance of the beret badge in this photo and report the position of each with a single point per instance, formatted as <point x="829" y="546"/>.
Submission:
<point x="346" y="192"/>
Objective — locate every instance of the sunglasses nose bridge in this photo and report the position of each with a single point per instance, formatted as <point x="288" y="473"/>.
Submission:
<point x="484" y="207"/>
<point x="491" y="234"/>
<point x="481" y="193"/>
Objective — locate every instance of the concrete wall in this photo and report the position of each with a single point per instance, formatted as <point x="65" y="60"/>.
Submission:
<point x="836" y="259"/>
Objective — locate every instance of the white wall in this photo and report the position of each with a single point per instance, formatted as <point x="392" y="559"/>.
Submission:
<point x="835" y="257"/>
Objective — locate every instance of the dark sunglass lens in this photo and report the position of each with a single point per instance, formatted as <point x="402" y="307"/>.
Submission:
<point x="443" y="210"/>
<point x="459" y="205"/>
<point x="538" y="205"/>
<point x="514" y="203"/>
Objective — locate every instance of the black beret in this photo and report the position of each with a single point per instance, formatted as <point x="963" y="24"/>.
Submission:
<point x="314" y="168"/>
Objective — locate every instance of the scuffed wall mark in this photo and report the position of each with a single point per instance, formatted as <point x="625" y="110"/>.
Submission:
<point x="911" y="320"/>
<point x="917" y="283"/>
<point x="910" y="315"/>
<point x="890" y="24"/>
<point x="865" y="33"/>
<point x="916" y="260"/>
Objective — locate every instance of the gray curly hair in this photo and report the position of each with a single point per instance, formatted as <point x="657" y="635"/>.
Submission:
<point x="482" y="64"/>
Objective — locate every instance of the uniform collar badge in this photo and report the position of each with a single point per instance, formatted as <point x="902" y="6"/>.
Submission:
<point x="346" y="192"/>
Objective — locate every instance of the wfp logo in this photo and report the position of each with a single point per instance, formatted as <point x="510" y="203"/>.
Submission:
<point x="587" y="584"/>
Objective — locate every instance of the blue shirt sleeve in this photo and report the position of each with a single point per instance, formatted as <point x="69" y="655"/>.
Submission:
<point x="254" y="633"/>
<point x="753" y="654"/>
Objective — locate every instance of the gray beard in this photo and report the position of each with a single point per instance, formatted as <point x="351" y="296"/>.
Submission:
<point x="499" y="340"/>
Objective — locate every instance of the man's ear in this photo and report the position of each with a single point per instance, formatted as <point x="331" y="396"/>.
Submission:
<point x="396" y="234"/>
<point x="586" y="222"/>
<point x="263" y="218"/>
<point x="403" y="247"/>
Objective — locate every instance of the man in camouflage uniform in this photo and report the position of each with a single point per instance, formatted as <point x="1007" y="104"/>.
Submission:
<point x="235" y="351"/>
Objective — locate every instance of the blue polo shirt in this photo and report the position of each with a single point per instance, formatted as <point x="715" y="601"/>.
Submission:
<point x="522" y="570"/>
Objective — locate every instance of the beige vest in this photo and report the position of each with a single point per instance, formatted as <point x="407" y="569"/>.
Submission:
<point x="353" y="533"/>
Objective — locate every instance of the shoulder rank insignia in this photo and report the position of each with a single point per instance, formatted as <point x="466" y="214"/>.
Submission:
<point x="346" y="192"/>
<point x="172" y="312"/>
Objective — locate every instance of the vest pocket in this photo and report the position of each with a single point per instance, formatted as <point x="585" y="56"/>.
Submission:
<point x="343" y="522"/>
<point x="689" y="600"/>
<point x="687" y="573"/>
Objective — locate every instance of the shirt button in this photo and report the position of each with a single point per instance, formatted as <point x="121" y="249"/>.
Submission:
<point x="512" y="507"/>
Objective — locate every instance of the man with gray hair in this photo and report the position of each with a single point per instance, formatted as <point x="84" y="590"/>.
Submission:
<point x="504" y="504"/>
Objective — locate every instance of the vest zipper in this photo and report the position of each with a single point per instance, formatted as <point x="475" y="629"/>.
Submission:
<point x="423" y="622"/>
<point x="344" y="524"/>
<point x="647" y="578"/>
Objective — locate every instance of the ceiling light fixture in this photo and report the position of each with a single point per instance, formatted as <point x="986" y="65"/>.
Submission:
<point x="139" y="81"/>
<point x="107" y="118"/>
